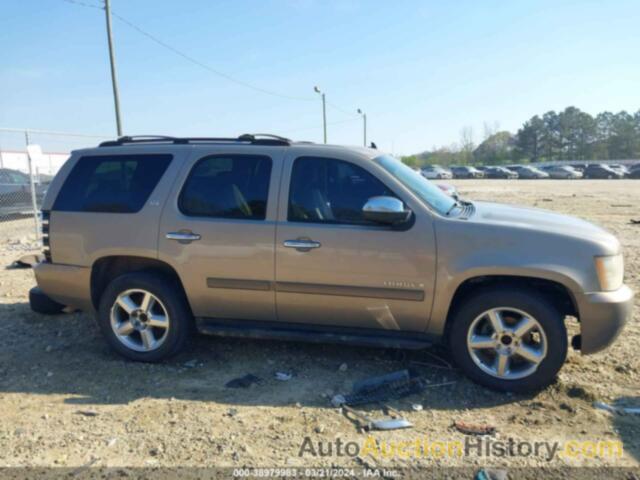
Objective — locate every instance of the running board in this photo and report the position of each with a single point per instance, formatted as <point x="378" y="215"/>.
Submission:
<point x="313" y="333"/>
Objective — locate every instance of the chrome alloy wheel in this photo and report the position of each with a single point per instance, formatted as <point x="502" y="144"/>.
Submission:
<point x="506" y="343"/>
<point x="139" y="320"/>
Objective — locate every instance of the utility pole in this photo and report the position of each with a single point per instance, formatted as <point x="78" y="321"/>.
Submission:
<point x="364" y="118"/>
<point x="112" y="58"/>
<point x="324" y="112"/>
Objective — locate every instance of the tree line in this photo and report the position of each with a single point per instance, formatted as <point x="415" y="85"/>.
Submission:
<point x="567" y="135"/>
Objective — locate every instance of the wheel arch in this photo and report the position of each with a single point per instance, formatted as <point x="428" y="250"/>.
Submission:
<point x="559" y="294"/>
<point x="105" y="269"/>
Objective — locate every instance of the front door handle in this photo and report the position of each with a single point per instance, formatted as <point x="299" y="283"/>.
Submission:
<point x="302" y="245"/>
<point x="183" y="237"/>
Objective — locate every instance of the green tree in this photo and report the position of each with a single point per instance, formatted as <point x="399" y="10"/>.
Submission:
<point x="529" y="139"/>
<point x="624" y="141"/>
<point x="499" y="148"/>
<point x="568" y="135"/>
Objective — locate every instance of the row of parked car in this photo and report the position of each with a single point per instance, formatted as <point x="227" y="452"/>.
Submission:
<point x="572" y="171"/>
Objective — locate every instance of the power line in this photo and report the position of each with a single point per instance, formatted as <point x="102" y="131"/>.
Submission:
<point x="203" y="65"/>
<point x="190" y="58"/>
<point x="49" y="132"/>
<point x="292" y="130"/>
<point x="336" y="107"/>
<point x="83" y="4"/>
<point x="197" y="62"/>
<point x="352" y="116"/>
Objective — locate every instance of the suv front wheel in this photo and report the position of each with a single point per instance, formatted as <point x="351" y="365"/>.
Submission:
<point x="144" y="317"/>
<point x="509" y="339"/>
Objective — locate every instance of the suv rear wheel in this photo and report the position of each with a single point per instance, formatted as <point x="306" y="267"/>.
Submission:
<point x="509" y="340"/>
<point x="145" y="317"/>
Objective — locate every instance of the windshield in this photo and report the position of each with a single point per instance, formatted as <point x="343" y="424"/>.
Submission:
<point x="420" y="186"/>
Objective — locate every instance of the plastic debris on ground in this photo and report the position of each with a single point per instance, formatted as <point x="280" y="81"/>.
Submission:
<point x="473" y="428"/>
<point x="243" y="382"/>
<point x="26" y="261"/>
<point x="491" y="474"/>
<point x="283" y="376"/>
<point x="191" y="364"/>
<point x="389" y="423"/>
<point x="616" y="409"/>
<point x="381" y="388"/>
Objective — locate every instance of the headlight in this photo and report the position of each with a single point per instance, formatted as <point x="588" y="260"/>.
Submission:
<point x="610" y="271"/>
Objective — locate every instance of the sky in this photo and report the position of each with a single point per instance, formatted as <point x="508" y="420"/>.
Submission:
<point x="421" y="70"/>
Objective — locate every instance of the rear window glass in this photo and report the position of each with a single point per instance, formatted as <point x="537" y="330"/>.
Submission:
<point x="114" y="184"/>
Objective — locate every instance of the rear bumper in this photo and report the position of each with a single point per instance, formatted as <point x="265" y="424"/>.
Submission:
<point x="66" y="284"/>
<point x="602" y="317"/>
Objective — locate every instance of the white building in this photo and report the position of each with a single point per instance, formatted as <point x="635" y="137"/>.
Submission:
<point x="45" y="163"/>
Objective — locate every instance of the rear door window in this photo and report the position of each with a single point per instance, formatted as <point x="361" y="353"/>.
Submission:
<point x="227" y="186"/>
<point x="113" y="183"/>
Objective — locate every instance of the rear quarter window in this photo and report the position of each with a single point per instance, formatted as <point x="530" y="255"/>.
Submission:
<point x="111" y="183"/>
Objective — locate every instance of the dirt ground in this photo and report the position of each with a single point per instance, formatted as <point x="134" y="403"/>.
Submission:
<point x="67" y="400"/>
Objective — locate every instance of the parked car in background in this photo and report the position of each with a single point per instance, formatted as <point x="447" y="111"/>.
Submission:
<point x="601" y="170"/>
<point x="564" y="172"/>
<point x="436" y="172"/>
<point x="618" y="167"/>
<point x="467" y="172"/>
<point x="500" y="172"/>
<point x="635" y="171"/>
<point x="530" y="173"/>
<point x="580" y="167"/>
<point x="15" y="192"/>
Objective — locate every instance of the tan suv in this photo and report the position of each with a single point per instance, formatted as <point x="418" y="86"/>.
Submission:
<point x="258" y="236"/>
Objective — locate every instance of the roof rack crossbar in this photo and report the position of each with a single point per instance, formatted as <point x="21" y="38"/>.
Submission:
<point x="253" y="139"/>
<point x="264" y="135"/>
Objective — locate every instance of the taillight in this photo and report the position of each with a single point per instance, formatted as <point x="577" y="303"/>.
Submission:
<point x="45" y="236"/>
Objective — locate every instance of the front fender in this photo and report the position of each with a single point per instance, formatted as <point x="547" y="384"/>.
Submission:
<point x="447" y="288"/>
<point x="469" y="250"/>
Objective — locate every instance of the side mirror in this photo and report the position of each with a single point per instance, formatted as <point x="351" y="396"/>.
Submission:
<point x="386" y="210"/>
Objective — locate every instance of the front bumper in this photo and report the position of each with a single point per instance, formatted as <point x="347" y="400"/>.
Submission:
<point x="602" y="317"/>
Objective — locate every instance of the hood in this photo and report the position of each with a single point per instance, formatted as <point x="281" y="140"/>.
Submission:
<point x="542" y="221"/>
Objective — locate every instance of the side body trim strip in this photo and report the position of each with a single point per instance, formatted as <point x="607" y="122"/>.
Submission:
<point x="318" y="289"/>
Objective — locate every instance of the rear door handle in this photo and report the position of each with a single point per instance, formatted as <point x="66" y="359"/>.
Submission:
<point x="302" y="245"/>
<point x="183" y="237"/>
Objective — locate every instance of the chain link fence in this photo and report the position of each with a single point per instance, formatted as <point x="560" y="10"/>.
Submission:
<point x="29" y="159"/>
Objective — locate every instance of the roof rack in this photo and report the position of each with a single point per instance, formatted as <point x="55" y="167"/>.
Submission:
<point x="250" y="138"/>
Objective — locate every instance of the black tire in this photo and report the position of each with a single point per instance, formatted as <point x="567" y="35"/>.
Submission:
<point x="181" y="323"/>
<point x="536" y="305"/>
<point x="41" y="303"/>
